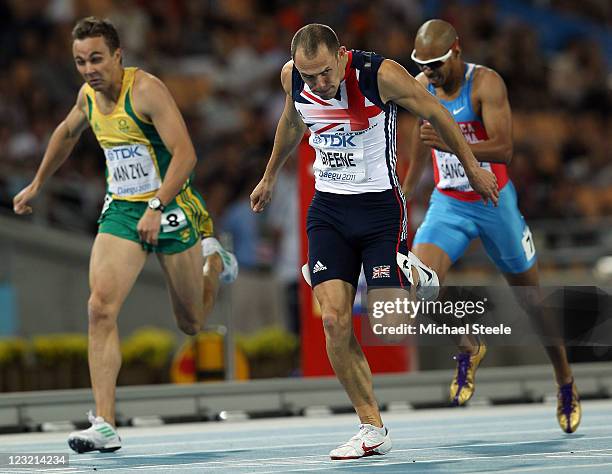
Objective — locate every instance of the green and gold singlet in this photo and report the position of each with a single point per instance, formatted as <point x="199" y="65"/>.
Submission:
<point x="136" y="163"/>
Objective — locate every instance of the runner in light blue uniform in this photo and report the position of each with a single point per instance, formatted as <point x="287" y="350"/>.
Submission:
<point x="476" y="97"/>
<point x="457" y="215"/>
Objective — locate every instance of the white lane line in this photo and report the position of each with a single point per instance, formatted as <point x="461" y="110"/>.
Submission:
<point x="374" y="463"/>
<point x="594" y="455"/>
<point x="300" y="459"/>
<point x="569" y="467"/>
<point x="204" y="432"/>
<point x="207" y="442"/>
<point x="370" y="463"/>
<point x="310" y="445"/>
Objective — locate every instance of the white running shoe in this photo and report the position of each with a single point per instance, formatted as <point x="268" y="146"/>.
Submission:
<point x="100" y="436"/>
<point x="368" y="442"/>
<point x="211" y="245"/>
<point x="429" y="285"/>
<point x="306" y="274"/>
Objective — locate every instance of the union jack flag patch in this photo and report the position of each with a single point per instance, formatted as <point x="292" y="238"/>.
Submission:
<point x="382" y="271"/>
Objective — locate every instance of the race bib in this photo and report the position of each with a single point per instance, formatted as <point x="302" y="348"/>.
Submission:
<point x="340" y="157"/>
<point x="173" y="220"/>
<point x="131" y="170"/>
<point x="451" y="172"/>
<point x="528" y="245"/>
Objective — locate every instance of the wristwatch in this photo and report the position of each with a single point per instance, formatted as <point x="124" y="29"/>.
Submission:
<point x="155" y="204"/>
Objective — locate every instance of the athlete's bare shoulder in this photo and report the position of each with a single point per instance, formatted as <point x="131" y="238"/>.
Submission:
<point x="149" y="93"/>
<point x="81" y="101"/>
<point x="486" y="79"/>
<point x="286" y="76"/>
<point x="146" y="83"/>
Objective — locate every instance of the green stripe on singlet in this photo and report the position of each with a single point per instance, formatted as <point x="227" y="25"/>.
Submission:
<point x="150" y="132"/>
<point x="89" y="107"/>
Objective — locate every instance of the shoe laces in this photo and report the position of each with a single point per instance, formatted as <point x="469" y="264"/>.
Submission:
<point x="566" y="393"/>
<point x="363" y="431"/>
<point x="463" y="365"/>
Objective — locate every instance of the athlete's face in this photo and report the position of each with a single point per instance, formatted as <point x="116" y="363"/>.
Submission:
<point x="436" y="72"/>
<point x="323" y="72"/>
<point x="95" y="62"/>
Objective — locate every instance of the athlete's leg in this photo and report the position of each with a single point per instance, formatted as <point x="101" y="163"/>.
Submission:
<point x="334" y="262"/>
<point x="439" y="261"/>
<point x="440" y="241"/>
<point x="508" y="241"/>
<point x="350" y="365"/>
<point x="434" y="257"/>
<point x="569" y="411"/>
<point x="213" y="266"/>
<point x="114" y="266"/>
<point x="545" y="322"/>
<point x="219" y="265"/>
<point x="183" y="273"/>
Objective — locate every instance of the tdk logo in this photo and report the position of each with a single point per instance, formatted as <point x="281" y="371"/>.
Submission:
<point x="329" y="140"/>
<point x="122" y="153"/>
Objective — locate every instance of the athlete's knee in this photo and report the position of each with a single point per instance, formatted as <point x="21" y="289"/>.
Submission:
<point x="101" y="312"/>
<point x="337" y="324"/>
<point x="188" y="326"/>
<point x="187" y="321"/>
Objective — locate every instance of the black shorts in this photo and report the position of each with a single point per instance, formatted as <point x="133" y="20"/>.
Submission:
<point x="346" y="231"/>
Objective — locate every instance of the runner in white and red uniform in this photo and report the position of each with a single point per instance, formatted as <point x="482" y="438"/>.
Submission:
<point x="348" y="100"/>
<point x="476" y="97"/>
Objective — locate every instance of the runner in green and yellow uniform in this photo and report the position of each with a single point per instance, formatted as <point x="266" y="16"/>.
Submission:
<point x="150" y="206"/>
<point x="137" y="161"/>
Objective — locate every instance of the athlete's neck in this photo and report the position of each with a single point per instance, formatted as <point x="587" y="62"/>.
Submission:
<point x="114" y="91"/>
<point x="455" y="79"/>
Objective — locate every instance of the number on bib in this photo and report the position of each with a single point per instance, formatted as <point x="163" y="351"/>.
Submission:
<point x="528" y="245"/>
<point x="173" y="220"/>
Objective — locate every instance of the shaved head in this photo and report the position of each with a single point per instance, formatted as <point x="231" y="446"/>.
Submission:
<point x="434" y="38"/>
<point x="437" y="53"/>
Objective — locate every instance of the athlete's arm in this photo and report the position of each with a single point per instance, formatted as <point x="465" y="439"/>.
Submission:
<point x="289" y="132"/>
<point x="419" y="155"/>
<point x="496" y="116"/>
<point x="396" y="85"/>
<point x="62" y="142"/>
<point x="153" y="100"/>
<point x="489" y="91"/>
<point x="419" y="159"/>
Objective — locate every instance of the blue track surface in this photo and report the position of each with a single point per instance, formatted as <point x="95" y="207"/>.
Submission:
<point x="518" y="438"/>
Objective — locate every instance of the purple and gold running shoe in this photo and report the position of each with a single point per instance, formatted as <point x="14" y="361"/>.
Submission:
<point x="569" y="411"/>
<point x="463" y="385"/>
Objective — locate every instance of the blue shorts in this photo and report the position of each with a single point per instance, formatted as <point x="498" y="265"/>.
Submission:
<point x="451" y="224"/>
<point x="346" y="231"/>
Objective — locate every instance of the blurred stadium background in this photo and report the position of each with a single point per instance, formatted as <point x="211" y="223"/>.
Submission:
<point x="221" y="60"/>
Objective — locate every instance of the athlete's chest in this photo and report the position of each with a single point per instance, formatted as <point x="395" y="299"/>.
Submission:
<point x="118" y="125"/>
<point x="349" y="111"/>
<point x="104" y="105"/>
<point x="463" y="103"/>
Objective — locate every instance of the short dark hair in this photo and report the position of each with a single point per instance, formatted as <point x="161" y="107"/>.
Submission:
<point x="310" y="37"/>
<point x="92" y="27"/>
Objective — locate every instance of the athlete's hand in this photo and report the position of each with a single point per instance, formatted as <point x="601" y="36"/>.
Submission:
<point x="430" y="137"/>
<point x="484" y="183"/>
<point x="148" y="226"/>
<point x="22" y="199"/>
<point x="262" y="194"/>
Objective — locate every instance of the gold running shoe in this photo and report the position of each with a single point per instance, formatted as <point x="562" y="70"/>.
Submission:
<point x="569" y="411"/>
<point x="462" y="387"/>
